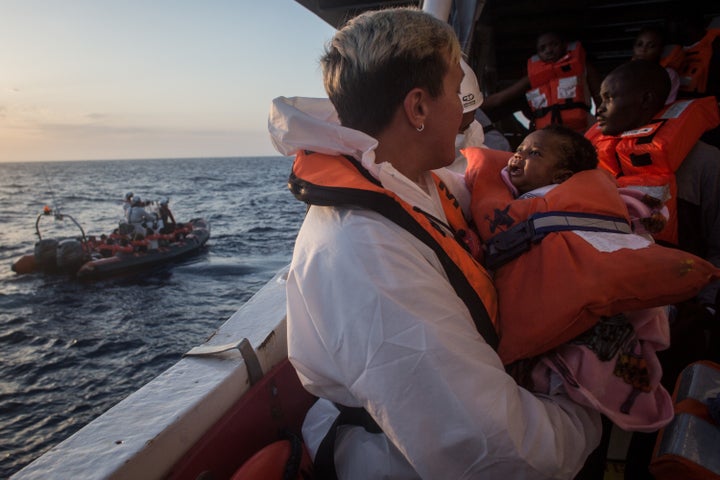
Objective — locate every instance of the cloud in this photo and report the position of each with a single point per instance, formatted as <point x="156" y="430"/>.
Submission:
<point x="97" y="116"/>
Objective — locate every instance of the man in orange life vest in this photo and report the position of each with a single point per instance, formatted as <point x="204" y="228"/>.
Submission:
<point x="646" y="145"/>
<point x="636" y="132"/>
<point x="559" y="85"/>
<point x="649" y="146"/>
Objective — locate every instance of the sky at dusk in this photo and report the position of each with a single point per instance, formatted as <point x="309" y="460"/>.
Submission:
<point x="109" y="79"/>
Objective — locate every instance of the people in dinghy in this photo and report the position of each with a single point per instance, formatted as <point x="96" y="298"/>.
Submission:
<point x="139" y="218"/>
<point x="127" y="204"/>
<point x="389" y="316"/>
<point x="167" y="220"/>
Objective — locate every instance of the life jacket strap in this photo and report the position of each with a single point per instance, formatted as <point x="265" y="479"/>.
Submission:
<point x="518" y="239"/>
<point x="324" y="463"/>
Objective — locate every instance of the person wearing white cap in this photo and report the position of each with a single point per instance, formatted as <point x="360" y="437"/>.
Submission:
<point x="494" y="138"/>
<point x="127" y="203"/>
<point x="471" y="133"/>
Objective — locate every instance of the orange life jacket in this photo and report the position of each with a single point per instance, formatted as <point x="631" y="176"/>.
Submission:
<point x="561" y="285"/>
<point x="112" y="249"/>
<point x="672" y="56"/>
<point x="328" y="180"/>
<point x="648" y="157"/>
<point x="558" y="90"/>
<point x="277" y="461"/>
<point x="696" y="66"/>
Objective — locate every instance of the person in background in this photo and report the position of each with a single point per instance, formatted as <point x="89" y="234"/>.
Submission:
<point x="127" y="203"/>
<point x="471" y="133"/>
<point x="494" y="138"/>
<point x="632" y="96"/>
<point x="389" y="316"/>
<point x="650" y="45"/>
<point x="630" y="101"/>
<point x="559" y="87"/>
<point x="700" y="72"/>
<point x="473" y="127"/>
<point x="138" y="216"/>
<point x="166" y="216"/>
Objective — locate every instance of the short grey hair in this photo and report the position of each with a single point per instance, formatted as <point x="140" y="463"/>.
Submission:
<point x="371" y="64"/>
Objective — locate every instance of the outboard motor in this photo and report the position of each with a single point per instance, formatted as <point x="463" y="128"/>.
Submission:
<point x="46" y="254"/>
<point x="70" y="255"/>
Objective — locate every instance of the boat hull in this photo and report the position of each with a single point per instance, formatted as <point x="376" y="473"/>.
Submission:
<point x="271" y="409"/>
<point x="191" y="418"/>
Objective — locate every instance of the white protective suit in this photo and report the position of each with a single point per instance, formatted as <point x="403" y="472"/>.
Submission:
<point x="373" y="322"/>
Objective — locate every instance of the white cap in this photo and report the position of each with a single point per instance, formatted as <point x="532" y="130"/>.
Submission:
<point x="470" y="93"/>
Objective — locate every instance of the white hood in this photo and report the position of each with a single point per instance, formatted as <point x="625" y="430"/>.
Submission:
<point x="299" y="123"/>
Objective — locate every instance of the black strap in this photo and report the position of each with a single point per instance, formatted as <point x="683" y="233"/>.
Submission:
<point x="292" y="466"/>
<point x="377" y="201"/>
<point x="324" y="463"/>
<point x="518" y="239"/>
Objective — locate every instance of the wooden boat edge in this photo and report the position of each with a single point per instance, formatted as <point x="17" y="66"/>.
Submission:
<point x="177" y="407"/>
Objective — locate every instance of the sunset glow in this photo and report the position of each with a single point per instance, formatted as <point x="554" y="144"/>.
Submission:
<point x="89" y="80"/>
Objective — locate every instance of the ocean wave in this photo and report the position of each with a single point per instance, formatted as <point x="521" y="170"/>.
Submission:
<point x="71" y="349"/>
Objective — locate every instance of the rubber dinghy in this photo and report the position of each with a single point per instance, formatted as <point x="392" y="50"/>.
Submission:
<point x="151" y="252"/>
<point x="119" y="253"/>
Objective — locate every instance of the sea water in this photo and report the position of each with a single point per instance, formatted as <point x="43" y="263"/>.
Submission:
<point x="70" y="350"/>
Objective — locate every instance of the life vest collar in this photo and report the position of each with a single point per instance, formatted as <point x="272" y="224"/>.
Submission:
<point x="329" y="180"/>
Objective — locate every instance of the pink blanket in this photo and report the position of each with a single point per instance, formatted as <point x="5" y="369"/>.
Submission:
<point x="614" y="369"/>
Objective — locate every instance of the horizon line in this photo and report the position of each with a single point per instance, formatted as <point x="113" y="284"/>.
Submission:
<point x="193" y="157"/>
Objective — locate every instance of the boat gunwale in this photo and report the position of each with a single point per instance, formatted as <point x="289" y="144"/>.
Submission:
<point x="179" y="406"/>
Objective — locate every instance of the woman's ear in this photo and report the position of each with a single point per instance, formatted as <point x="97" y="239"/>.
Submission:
<point x="415" y="107"/>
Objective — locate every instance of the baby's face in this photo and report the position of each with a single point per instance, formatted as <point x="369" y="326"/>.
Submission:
<point x="535" y="162"/>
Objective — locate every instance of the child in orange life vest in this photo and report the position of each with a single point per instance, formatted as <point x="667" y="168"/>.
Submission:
<point x="609" y="364"/>
<point x="559" y="85"/>
<point x="650" y="45"/>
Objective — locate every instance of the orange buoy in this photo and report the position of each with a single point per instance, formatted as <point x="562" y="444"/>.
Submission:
<point x="281" y="459"/>
<point x="26" y="264"/>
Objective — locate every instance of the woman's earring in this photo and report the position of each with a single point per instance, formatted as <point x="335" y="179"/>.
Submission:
<point x="421" y="127"/>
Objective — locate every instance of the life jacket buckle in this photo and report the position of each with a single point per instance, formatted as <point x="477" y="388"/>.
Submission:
<point x="509" y="244"/>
